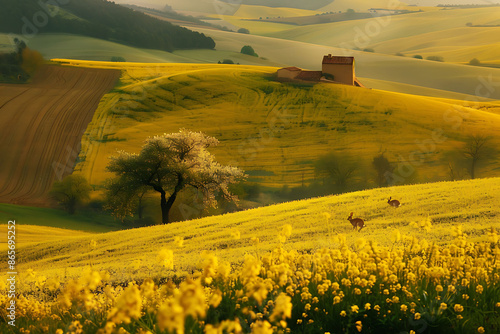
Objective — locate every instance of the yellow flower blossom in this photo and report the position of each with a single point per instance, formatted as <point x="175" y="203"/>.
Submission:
<point x="282" y="308"/>
<point x="262" y="327"/>
<point x="166" y="258"/>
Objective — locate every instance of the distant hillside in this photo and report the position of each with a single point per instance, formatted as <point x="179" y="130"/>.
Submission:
<point x="101" y="19"/>
<point x="452" y="2"/>
<point x="310" y="4"/>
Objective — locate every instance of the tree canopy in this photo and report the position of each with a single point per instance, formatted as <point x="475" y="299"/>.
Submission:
<point x="168" y="164"/>
<point x="71" y="191"/>
<point x="100" y="19"/>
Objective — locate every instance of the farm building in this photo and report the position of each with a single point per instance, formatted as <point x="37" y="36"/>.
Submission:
<point x="339" y="69"/>
<point x="334" y="69"/>
<point x="289" y="72"/>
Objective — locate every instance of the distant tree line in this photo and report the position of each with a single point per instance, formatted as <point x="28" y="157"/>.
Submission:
<point x="99" y="19"/>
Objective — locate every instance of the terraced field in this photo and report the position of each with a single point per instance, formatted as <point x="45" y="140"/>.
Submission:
<point x="41" y="125"/>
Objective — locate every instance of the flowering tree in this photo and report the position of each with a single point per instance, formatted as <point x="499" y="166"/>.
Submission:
<point x="168" y="164"/>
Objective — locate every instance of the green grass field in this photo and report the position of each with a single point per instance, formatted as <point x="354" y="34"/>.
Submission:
<point x="88" y="48"/>
<point x="86" y="222"/>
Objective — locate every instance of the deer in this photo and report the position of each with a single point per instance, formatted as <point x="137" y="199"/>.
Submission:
<point x="356" y="222"/>
<point x="394" y="202"/>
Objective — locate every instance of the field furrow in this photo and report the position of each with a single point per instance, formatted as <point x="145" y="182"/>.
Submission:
<point x="42" y="124"/>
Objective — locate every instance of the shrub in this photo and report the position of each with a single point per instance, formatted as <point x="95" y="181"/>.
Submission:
<point x="248" y="50"/>
<point x="368" y="50"/>
<point x="243" y="31"/>
<point x="72" y="191"/>
<point x="226" y="61"/>
<point x="435" y="58"/>
<point x="418" y="57"/>
<point x="474" y="62"/>
<point x="118" y="59"/>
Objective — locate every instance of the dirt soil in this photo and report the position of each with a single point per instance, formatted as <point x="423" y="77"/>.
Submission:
<point x="41" y="126"/>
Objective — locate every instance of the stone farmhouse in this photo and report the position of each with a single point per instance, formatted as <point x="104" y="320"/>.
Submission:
<point x="335" y="69"/>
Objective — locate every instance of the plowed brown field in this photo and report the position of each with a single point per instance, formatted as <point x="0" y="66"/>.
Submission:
<point x="41" y="125"/>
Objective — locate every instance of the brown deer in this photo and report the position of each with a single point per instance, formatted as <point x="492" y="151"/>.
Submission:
<point x="356" y="222"/>
<point x="394" y="202"/>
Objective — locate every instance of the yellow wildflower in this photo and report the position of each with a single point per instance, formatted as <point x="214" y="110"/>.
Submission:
<point x="282" y="308"/>
<point x="166" y="258"/>
<point x="262" y="327"/>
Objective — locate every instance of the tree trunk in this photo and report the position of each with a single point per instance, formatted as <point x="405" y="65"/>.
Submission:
<point x="164" y="209"/>
<point x="166" y="205"/>
<point x="139" y="208"/>
<point x="472" y="169"/>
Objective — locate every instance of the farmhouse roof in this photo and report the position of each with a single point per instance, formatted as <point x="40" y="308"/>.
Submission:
<point x="309" y="75"/>
<point x="329" y="59"/>
<point x="292" y="68"/>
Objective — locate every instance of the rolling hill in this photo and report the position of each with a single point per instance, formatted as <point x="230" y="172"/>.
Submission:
<point x="454" y="45"/>
<point x="387" y="29"/>
<point x="405" y="70"/>
<point x="360" y="5"/>
<point x="258" y="119"/>
<point x="428" y="212"/>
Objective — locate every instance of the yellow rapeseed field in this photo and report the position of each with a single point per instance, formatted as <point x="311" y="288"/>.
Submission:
<point x="430" y="267"/>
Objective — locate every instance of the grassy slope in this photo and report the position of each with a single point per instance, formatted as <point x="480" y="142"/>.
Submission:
<point x="131" y="254"/>
<point x="87" y="48"/>
<point x="240" y="106"/>
<point x="255" y="27"/>
<point x="391" y="28"/>
<point x="455" y="45"/>
<point x="87" y="222"/>
<point x="254" y="12"/>
<point x="358" y="5"/>
<point x="444" y="76"/>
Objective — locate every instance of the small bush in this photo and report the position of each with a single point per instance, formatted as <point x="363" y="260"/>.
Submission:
<point x="418" y="57"/>
<point x="435" y="58"/>
<point x="474" y="62"/>
<point x="248" y="50"/>
<point x="243" y="31"/>
<point x="368" y="50"/>
<point x="226" y="61"/>
<point x="71" y="192"/>
<point x="118" y="59"/>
